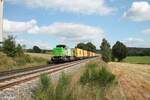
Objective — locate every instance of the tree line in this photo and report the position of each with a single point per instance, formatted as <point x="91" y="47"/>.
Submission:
<point x="87" y="46"/>
<point x="133" y="51"/>
<point x="36" y="49"/>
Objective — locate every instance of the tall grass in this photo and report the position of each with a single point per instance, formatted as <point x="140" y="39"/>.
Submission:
<point x="49" y="91"/>
<point x="92" y="84"/>
<point x="45" y="91"/>
<point x="97" y="77"/>
<point x="9" y="63"/>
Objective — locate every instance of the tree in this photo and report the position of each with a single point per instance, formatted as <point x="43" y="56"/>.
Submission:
<point x="119" y="51"/>
<point x="9" y="46"/>
<point x="81" y="46"/>
<point x="36" y="49"/>
<point x="91" y="47"/>
<point x="88" y="46"/>
<point x="105" y="50"/>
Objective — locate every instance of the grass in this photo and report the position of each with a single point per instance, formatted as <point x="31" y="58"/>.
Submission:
<point x="83" y="85"/>
<point x="9" y="63"/>
<point x="95" y="82"/>
<point x="138" y="59"/>
<point x="49" y="91"/>
<point x="42" y="55"/>
<point x="134" y="80"/>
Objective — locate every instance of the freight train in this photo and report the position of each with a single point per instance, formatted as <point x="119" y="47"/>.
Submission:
<point x="63" y="53"/>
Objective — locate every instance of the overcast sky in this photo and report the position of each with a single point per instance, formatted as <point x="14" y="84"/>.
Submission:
<point x="46" y="23"/>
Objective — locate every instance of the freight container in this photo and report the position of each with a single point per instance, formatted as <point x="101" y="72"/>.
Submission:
<point x="78" y="53"/>
<point x="85" y="54"/>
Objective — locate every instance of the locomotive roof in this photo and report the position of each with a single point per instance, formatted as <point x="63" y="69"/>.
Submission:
<point x="61" y="45"/>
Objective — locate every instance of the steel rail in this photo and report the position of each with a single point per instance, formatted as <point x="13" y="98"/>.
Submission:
<point x="31" y="71"/>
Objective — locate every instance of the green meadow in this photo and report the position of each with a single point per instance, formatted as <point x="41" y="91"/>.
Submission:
<point x="138" y="59"/>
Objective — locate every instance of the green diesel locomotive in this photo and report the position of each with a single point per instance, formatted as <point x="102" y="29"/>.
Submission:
<point x="62" y="54"/>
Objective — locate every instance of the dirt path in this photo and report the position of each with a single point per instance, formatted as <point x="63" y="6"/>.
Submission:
<point x="134" y="79"/>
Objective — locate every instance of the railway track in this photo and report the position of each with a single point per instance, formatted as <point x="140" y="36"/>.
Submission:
<point x="9" y="79"/>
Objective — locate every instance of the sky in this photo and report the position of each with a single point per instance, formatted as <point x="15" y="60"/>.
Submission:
<point x="46" y="23"/>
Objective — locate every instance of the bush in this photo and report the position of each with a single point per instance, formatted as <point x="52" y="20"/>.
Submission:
<point x="97" y="76"/>
<point x="97" y="80"/>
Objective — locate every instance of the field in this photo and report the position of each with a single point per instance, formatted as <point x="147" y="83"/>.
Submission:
<point x="138" y="59"/>
<point x="132" y="82"/>
<point x="45" y="56"/>
<point x="133" y="79"/>
<point x="28" y="60"/>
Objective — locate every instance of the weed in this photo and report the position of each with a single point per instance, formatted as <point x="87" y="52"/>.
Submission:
<point x="46" y="90"/>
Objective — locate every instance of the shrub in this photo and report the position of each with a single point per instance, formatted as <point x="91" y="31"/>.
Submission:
<point x="97" y="79"/>
<point x="97" y="76"/>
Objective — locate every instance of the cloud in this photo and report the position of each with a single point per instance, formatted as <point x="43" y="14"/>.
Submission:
<point x="65" y="32"/>
<point x="139" y="11"/>
<point x="137" y="42"/>
<point x="30" y="43"/>
<point x="146" y="31"/>
<point x="87" y="7"/>
<point x="70" y="31"/>
<point x="18" y="27"/>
